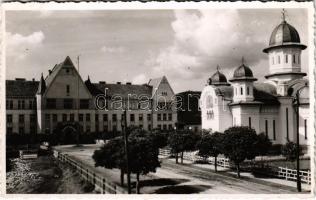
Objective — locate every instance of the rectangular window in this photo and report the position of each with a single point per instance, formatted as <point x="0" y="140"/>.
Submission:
<point x="148" y="117"/>
<point x="19" y="104"/>
<point x="170" y="116"/>
<point x="274" y="133"/>
<point x="241" y="91"/>
<point x="114" y="118"/>
<point x="64" y="117"/>
<point x="96" y="118"/>
<point x="30" y="104"/>
<point x="32" y="118"/>
<point x="21" y="118"/>
<point x="105" y="117"/>
<point x="68" y="103"/>
<point x="114" y="129"/>
<point x="88" y="117"/>
<point x="170" y="126"/>
<point x="9" y="118"/>
<point x="132" y="117"/>
<point x="164" y="127"/>
<point x="67" y="89"/>
<point x="164" y="116"/>
<point x="266" y="126"/>
<point x="159" y="126"/>
<point x="21" y="130"/>
<point x="305" y="128"/>
<point x="7" y="104"/>
<point x="140" y="117"/>
<point x="51" y="103"/>
<point x="159" y="117"/>
<point x="80" y="117"/>
<point x="84" y="103"/>
<point x="247" y="90"/>
<point x="286" y="58"/>
<point x="249" y="121"/>
<point x="54" y="117"/>
<point x="72" y="117"/>
<point x="279" y="59"/>
<point x="298" y="59"/>
<point x="287" y="123"/>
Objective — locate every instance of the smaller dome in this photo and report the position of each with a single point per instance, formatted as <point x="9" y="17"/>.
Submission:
<point x="218" y="78"/>
<point x="243" y="72"/>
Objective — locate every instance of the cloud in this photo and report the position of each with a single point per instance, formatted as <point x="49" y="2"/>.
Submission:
<point x="113" y="49"/>
<point x="203" y="39"/>
<point x="45" y="13"/>
<point x="140" y="79"/>
<point x="18" y="45"/>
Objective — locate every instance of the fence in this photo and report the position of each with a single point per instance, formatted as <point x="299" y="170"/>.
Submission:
<point x="100" y="183"/>
<point x="280" y="172"/>
<point x="290" y="174"/>
<point x="191" y="156"/>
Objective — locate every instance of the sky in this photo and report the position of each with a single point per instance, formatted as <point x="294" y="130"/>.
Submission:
<point x="136" y="45"/>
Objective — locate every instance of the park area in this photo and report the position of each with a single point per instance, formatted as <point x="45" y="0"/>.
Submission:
<point x="186" y="178"/>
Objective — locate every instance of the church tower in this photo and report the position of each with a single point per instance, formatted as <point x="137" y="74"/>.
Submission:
<point x="284" y="53"/>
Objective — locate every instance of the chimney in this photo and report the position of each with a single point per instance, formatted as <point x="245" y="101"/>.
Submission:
<point x="119" y="83"/>
<point x="49" y="71"/>
<point x="128" y="83"/>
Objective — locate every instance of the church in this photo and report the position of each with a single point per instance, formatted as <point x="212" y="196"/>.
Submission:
<point x="268" y="107"/>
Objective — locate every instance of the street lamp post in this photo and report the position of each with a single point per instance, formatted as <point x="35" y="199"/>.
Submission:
<point x="126" y="151"/>
<point x="298" y="177"/>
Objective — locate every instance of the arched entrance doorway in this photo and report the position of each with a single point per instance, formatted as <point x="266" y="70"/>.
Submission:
<point x="67" y="133"/>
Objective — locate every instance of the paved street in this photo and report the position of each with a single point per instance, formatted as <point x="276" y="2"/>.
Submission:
<point x="184" y="178"/>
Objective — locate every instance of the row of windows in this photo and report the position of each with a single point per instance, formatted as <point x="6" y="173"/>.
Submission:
<point x="164" y="117"/>
<point x="165" y="127"/>
<point x="21" y="130"/>
<point x="67" y="103"/>
<point x="21" y="118"/>
<point x="242" y="90"/>
<point x="277" y="59"/>
<point x="22" y="104"/>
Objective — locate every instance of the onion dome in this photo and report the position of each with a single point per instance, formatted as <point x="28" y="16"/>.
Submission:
<point x="243" y="72"/>
<point x="284" y="35"/>
<point x="218" y="78"/>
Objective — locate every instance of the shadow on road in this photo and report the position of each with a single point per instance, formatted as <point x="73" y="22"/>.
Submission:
<point x="182" y="189"/>
<point x="162" y="182"/>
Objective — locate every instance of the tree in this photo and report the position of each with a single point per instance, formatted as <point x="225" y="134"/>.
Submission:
<point x="263" y="144"/>
<point x="239" y="144"/>
<point x="182" y="141"/>
<point x="143" y="155"/>
<point x="111" y="155"/>
<point x="289" y="151"/>
<point x="210" y="145"/>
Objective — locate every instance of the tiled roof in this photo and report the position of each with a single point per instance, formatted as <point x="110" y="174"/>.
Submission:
<point x="21" y="88"/>
<point x="263" y="92"/>
<point x="122" y="90"/>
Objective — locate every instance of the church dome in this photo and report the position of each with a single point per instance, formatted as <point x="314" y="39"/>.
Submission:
<point x="218" y="78"/>
<point x="243" y="72"/>
<point x="284" y="35"/>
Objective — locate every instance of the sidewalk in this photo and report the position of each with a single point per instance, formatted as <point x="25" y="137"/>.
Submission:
<point x="305" y="187"/>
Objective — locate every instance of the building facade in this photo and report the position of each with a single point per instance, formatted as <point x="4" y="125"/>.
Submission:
<point x="63" y="99"/>
<point x="268" y="107"/>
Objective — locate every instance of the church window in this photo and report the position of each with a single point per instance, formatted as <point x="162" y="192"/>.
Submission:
<point x="247" y="90"/>
<point x="293" y="58"/>
<point x="298" y="59"/>
<point x="274" y="136"/>
<point x="305" y="128"/>
<point x="272" y="60"/>
<point x="286" y="58"/>
<point x="279" y="59"/>
<point x="266" y="126"/>
<point x="241" y="90"/>
<point x="250" y="122"/>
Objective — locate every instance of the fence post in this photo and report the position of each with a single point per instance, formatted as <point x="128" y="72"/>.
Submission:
<point x="286" y="173"/>
<point x="103" y="185"/>
<point x="308" y="176"/>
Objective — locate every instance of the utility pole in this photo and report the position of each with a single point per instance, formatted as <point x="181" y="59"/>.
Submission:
<point x="78" y="104"/>
<point x="126" y="151"/>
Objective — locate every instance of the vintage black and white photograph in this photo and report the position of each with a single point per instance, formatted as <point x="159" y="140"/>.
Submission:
<point x="159" y="101"/>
